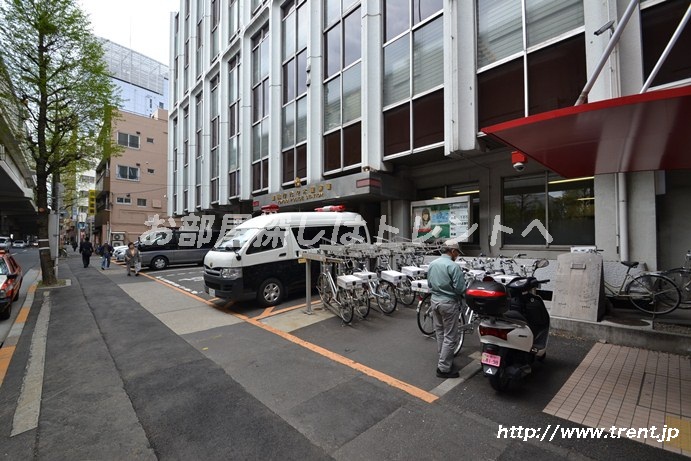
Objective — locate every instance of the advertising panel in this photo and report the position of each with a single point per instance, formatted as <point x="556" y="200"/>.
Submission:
<point x="441" y="218"/>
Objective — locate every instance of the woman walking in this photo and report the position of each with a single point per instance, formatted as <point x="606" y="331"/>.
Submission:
<point x="133" y="259"/>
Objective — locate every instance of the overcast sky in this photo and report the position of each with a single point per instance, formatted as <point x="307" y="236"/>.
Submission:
<point x="142" y="25"/>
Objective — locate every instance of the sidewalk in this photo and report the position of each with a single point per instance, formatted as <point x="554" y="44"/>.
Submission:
<point x="99" y="367"/>
<point x="127" y="376"/>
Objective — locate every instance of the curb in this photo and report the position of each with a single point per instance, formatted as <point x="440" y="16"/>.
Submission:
<point x="642" y="338"/>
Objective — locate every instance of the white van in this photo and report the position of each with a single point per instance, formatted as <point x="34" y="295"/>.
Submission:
<point x="259" y="258"/>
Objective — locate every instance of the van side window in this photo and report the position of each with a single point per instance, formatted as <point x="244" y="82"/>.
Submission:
<point x="347" y="235"/>
<point x="312" y="237"/>
<point x="270" y="239"/>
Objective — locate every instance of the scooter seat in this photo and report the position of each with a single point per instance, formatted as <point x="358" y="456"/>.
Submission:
<point x="515" y="315"/>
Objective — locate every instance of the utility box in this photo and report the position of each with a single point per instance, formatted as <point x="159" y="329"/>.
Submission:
<point x="579" y="292"/>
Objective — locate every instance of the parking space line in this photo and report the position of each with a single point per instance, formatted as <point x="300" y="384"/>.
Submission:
<point x="376" y="374"/>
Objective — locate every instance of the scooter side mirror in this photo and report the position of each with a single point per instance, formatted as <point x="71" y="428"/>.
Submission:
<point x="540" y="263"/>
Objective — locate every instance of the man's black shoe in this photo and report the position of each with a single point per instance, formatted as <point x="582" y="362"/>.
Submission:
<point x="449" y="374"/>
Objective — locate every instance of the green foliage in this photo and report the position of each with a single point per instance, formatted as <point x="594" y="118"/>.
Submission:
<point x="57" y="70"/>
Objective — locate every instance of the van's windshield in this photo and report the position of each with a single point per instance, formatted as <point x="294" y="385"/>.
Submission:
<point x="235" y="239"/>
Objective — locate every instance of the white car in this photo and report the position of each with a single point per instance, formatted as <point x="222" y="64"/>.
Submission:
<point x="119" y="252"/>
<point x="5" y="243"/>
<point x="19" y="244"/>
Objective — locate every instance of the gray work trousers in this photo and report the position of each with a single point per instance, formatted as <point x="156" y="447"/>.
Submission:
<point x="445" y="315"/>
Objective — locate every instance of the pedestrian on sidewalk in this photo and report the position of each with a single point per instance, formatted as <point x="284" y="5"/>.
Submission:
<point x="133" y="259"/>
<point x="106" y="253"/>
<point x="447" y="285"/>
<point x="86" y="249"/>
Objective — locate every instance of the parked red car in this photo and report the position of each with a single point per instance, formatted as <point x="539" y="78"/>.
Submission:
<point x="10" y="283"/>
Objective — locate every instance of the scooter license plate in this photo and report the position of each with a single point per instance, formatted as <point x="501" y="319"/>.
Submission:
<point x="490" y="359"/>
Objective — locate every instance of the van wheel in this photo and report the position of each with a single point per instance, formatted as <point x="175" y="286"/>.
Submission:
<point x="270" y="292"/>
<point x="159" y="262"/>
<point x="4" y="315"/>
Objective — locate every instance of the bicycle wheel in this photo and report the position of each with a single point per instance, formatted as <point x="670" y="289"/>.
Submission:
<point x="467" y="325"/>
<point x="386" y="297"/>
<point x="361" y="302"/>
<point x="344" y="299"/>
<point x="324" y="289"/>
<point x="424" y="316"/>
<point x="461" y="329"/>
<point x="653" y="294"/>
<point x="405" y="293"/>
<point x="682" y="278"/>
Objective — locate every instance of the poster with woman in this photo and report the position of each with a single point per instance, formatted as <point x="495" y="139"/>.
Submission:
<point x="440" y="219"/>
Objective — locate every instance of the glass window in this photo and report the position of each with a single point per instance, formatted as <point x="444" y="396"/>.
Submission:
<point x="141" y="202"/>
<point x="351" y="94"/>
<point x="556" y="75"/>
<point x="397" y="18"/>
<point x="564" y="207"/>
<point x="500" y="94"/>
<point x="428" y="57"/>
<point x="128" y="172"/>
<point x="301" y="120"/>
<point x="352" y="38"/>
<point x="499" y="30"/>
<point x="423" y="9"/>
<point x="428" y="119"/>
<point x="288" y="135"/>
<point x="396" y="71"/>
<point x="397" y="130"/>
<point x="352" y="145"/>
<point x="658" y="23"/>
<point x="546" y="19"/>
<point x="332" y="105"/>
<point x="332" y="151"/>
<point x="332" y="51"/>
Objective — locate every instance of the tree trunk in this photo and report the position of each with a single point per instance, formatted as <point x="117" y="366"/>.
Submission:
<point x="47" y="267"/>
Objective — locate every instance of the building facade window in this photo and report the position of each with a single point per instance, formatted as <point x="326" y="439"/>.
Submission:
<point x="260" y="110"/>
<point x="200" y="38"/>
<point x="123" y="200"/>
<point x="542" y="40"/>
<point x="294" y="97"/>
<point x="565" y="207"/>
<point x="128" y="140"/>
<point x="141" y="202"/>
<point x="215" y="30"/>
<point x="215" y="128"/>
<point x="413" y="92"/>
<point x="233" y="18"/>
<point x="175" y="165"/>
<point x="234" y="127"/>
<point x="186" y="50"/>
<point x="185" y="157"/>
<point x="130" y="173"/>
<point x="658" y="23"/>
<point x="342" y="85"/>
<point x="198" y="147"/>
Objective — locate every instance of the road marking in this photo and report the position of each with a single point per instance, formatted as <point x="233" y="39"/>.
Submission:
<point x="376" y="374"/>
<point x="29" y="403"/>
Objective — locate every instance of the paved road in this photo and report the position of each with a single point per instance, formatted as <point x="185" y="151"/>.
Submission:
<point x="137" y="368"/>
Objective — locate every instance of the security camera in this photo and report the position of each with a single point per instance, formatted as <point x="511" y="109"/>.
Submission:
<point x="519" y="166"/>
<point x="608" y="26"/>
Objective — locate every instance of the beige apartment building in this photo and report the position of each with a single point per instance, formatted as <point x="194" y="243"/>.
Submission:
<point x="131" y="186"/>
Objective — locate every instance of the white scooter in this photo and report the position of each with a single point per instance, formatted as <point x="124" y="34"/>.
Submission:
<point x="514" y="327"/>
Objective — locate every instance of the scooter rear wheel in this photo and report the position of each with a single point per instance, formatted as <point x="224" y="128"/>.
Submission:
<point x="500" y="382"/>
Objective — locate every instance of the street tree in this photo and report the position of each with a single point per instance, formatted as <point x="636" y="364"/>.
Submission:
<point x="58" y="72"/>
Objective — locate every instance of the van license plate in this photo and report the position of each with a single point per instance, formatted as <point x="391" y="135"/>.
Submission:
<point x="490" y="359"/>
<point x="212" y="292"/>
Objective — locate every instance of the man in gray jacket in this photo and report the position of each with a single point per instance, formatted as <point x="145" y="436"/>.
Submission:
<point x="447" y="284"/>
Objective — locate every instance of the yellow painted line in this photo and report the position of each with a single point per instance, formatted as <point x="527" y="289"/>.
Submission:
<point x="683" y="425"/>
<point x="383" y="377"/>
<point x="5" y="358"/>
<point x="391" y="381"/>
<point x="267" y="311"/>
<point x="270" y="312"/>
<point x="32" y="288"/>
<point x="22" y="315"/>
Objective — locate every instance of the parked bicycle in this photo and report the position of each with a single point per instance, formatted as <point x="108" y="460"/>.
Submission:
<point x="344" y="295"/>
<point x="650" y="292"/>
<point x="682" y="278"/>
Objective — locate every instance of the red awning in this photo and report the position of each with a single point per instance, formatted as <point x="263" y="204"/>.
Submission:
<point x="649" y="131"/>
